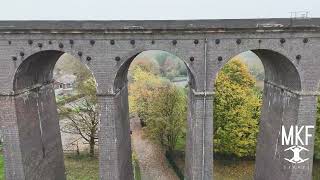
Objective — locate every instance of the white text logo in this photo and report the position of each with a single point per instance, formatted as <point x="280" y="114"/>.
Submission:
<point x="296" y="138"/>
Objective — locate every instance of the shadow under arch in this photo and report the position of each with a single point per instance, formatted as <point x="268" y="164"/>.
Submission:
<point x="121" y="75"/>
<point x="279" y="69"/>
<point x="37" y="69"/>
<point x="280" y="108"/>
<point x="37" y="150"/>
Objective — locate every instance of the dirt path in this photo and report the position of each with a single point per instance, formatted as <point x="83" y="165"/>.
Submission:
<point x="152" y="162"/>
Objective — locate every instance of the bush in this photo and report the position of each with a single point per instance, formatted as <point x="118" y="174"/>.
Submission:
<point x="174" y="166"/>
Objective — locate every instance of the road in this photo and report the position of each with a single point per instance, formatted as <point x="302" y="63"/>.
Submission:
<point x="151" y="158"/>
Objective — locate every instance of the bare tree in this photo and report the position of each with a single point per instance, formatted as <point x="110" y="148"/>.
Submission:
<point x="81" y="116"/>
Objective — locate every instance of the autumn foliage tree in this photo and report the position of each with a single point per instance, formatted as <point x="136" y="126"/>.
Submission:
<point x="141" y="89"/>
<point x="236" y="111"/>
<point x="160" y="105"/>
<point x="167" y="116"/>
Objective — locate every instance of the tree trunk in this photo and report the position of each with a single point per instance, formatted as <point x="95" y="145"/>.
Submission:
<point x="78" y="151"/>
<point x="92" y="143"/>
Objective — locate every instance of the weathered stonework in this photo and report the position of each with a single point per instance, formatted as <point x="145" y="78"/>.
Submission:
<point x="289" y="50"/>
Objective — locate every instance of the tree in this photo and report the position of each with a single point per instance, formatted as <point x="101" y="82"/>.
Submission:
<point x="170" y="65"/>
<point x="236" y="111"/>
<point x="82" y="115"/>
<point x="167" y="116"/>
<point x="140" y="90"/>
<point x="146" y="63"/>
<point x="161" y="106"/>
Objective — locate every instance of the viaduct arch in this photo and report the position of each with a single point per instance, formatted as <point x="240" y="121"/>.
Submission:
<point x="289" y="50"/>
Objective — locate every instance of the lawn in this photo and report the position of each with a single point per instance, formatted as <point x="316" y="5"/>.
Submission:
<point x="81" y="167"/>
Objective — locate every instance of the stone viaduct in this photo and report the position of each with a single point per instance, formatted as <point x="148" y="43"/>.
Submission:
<point x="288" y="48"/>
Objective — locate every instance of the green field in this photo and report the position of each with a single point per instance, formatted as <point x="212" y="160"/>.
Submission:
<point x="80" y="167"/>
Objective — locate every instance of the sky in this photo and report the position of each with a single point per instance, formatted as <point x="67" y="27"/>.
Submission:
<point x="153" y="10"/>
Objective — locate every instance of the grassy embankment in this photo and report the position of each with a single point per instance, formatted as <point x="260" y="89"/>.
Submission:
<point x="80" y="167"/>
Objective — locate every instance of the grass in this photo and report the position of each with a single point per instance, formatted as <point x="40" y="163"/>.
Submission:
<point x="81" y="167"/>
<point x="136" y="167"/>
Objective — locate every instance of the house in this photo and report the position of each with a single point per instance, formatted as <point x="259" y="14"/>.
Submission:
<point x="64" y="84"/>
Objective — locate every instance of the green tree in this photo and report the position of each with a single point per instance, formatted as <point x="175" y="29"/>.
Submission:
<point x="236" y="111"/>
<point x="167" y="116"/>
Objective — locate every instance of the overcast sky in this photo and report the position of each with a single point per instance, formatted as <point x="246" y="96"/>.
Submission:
<point x="152" y="9"/>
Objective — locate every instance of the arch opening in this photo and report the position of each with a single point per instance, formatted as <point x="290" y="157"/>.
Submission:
<point x="256" y="93"/>
<point x="157" y="83"/>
